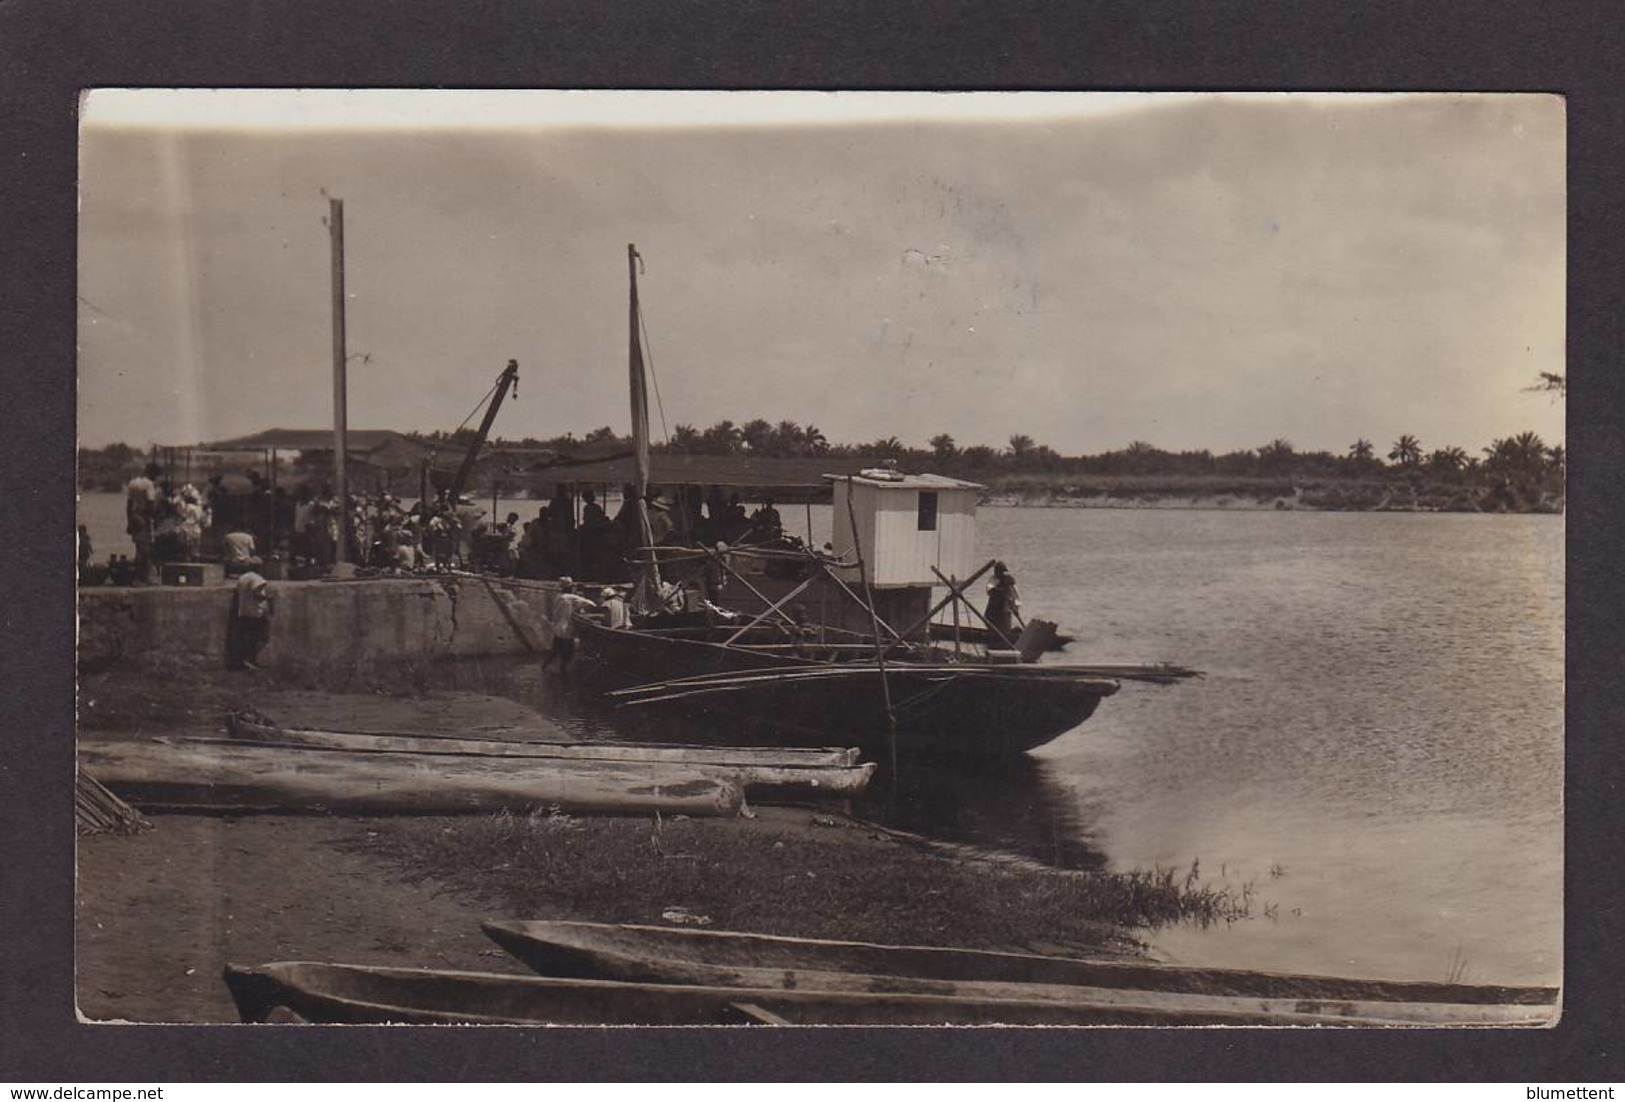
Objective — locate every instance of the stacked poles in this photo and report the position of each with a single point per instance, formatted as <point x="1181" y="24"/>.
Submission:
<point x="98" y="811"/>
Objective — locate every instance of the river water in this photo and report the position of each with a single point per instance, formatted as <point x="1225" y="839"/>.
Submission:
<point x="1375" y="753"/>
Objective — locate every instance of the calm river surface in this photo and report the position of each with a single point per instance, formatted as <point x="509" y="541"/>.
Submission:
<point x="1377" y="747"/>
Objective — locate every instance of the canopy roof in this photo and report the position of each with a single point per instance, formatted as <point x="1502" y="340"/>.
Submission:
<point x="363" y="443"/>
<point x="797" y="479"/>
<point x="909" y="482"/>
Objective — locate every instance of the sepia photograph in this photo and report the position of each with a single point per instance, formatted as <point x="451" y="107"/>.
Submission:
<point x="738" y="559"/>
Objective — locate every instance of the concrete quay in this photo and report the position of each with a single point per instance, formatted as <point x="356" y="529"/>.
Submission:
<point x="319" y="622"/>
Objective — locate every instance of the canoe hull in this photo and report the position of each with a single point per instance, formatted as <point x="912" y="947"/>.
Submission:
<point x="997" y="714"/>
<point x="661" y="955"/>
<point x="205" y="774"/>
<point x="761" y="773"/>
<point x="317" y="992"/>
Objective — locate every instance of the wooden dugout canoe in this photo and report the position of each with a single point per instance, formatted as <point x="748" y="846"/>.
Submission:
<point x="208" y="774"/>
<point x="243" y="727"/>
<point x="318" y="992"/>
<point x="759" y="772"/>
<point x="649" y="954"/>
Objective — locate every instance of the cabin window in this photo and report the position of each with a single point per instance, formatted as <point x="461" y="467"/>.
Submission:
<point x="928" y="510"/>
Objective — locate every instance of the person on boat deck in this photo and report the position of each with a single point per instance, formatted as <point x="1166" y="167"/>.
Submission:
<point x="765" y="524"/>
<point x="248" y="626"/>
<point x="803" y="634"/>
<point x="614" y="605"/>
<point x="715" y="573"/>
<point x="660" y="524"/>
<point x="565" y="607"/>
<point x="1003" y="601"/>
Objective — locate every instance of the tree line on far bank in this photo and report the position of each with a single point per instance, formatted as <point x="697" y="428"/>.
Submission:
<point x="1516" y="472"/>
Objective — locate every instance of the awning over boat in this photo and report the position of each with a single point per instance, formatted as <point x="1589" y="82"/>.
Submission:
<point x="752" y="477"/>
<point x="378" y="447"/>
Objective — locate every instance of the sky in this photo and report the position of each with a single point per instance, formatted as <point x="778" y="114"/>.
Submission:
<point x="1194" y="271"/>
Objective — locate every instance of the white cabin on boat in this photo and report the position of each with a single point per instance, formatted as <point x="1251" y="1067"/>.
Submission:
<point x="906" y="524"/>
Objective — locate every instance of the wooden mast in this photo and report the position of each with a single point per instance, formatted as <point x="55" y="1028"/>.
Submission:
<point x="646" y="595"/>
<point x="341" y="452"/>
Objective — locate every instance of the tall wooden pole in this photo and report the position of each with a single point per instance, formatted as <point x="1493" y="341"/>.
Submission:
<point x="341" y="450"/>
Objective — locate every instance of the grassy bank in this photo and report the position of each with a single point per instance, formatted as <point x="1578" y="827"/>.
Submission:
<point x="794" y="872"/>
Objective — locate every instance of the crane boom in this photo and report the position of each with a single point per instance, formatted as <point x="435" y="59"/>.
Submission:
<point x="509" y="379"/>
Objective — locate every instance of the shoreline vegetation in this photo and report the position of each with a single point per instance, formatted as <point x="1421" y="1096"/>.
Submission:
<point x="1514" y="474"/>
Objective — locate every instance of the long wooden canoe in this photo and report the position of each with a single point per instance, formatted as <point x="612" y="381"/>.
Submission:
<point x="223" y="775"/>
<point x="247" y="727"/>
<point x="761" y="772"/>
<point x="650" y="954"/>
<point x="318" y="992"/>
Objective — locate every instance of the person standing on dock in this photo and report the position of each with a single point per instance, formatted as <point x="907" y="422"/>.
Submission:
<point x="1003" y="601"/>
<point x="140" y="508"/>
<point x="248" y="625"/>
<point x="565" y="607"/>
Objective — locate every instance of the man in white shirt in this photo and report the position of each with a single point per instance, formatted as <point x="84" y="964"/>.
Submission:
<point x="565" y="606"/>
<point x="249" y="625"/>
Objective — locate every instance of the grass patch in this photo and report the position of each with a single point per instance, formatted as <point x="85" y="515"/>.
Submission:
<point x="788" y="876"/>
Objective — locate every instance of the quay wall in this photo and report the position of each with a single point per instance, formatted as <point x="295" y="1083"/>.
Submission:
<point x="319" y="623"/>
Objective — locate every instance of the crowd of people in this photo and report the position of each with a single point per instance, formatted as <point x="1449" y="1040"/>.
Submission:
<point x="245" y="523"/>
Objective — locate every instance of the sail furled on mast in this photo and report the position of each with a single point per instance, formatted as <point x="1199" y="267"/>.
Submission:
<point x="647" y="593"/>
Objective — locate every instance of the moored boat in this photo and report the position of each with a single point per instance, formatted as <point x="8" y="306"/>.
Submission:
<point x="213" y="774"/>
<point x="662" y="955"/>
<point x="849" y="675"/>
<point x="822" y="771"/>
<point x="320" y="992"/>
<point x="957" y="709"/>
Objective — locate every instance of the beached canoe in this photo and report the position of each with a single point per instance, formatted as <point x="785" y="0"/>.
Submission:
<point x="259" y="729"/>
<point x="761" y="772"/>
<point x="318" y="992"/>
<point x="649" y="954"/>
<point x="214" y="774"/>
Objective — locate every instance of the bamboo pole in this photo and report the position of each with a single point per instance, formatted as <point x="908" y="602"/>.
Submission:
<point x="997" y="634"/>
<point x="955" y="590"/>
<point x="770" y="610"/>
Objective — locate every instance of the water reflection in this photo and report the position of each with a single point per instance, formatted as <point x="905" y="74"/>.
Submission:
<point x="1017" y="804"/>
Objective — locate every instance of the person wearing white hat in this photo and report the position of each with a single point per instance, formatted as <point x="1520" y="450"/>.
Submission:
<point x="614" y="606"/>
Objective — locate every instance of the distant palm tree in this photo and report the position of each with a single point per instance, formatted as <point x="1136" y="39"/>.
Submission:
<point x="756" y="435"/>
<point x="1275" y="455"/>
<point x="1557" y="460"/>
<point x="788" y="439"/>
<point x="888" y="448"/>
<point x="1549" y="383"/>
<point x="943" y="447"/>
<point x="722" y="438"/>
<point x="685" y="439"/>
<point x="1407" y="451"/>
<point x="813" y="440"/>
<point x="1020" y="445"/>
<point x="1362" y="450"/>
<point x="1449" y="459"/>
